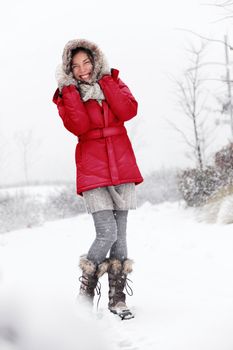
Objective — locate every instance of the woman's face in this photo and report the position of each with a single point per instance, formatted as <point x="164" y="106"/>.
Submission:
<point x="81" y="66"/>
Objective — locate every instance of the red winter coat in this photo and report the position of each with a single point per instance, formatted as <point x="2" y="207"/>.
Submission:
<point x="104" y="154"/>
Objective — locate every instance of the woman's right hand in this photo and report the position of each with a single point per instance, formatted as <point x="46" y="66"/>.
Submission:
<point x="64" y="79"/>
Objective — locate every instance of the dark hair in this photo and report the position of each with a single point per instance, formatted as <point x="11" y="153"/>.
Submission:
<point x="82" y="49"/>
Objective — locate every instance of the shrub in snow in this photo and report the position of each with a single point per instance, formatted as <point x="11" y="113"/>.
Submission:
<point x="64" y="203"/>
<point x="224" y="165"/>
<point x="159" y="186"/>
<point x="197" y="185"/>
<point x="224" y="158"/>
<point x="211" y="189"/>
<point x="25" y="207"/>
<point x="19" y="211"/>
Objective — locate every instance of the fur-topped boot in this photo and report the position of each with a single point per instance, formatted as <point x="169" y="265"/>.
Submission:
<point x="117" y="277"/>
<point x="89" y="279"/>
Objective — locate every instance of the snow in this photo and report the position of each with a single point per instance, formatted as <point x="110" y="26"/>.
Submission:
<point x="182" y="282"/>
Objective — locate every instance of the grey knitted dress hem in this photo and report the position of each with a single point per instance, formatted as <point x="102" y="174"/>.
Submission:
<point x="119" y="197"/>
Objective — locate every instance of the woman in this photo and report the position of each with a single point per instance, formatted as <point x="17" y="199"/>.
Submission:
<point x="94" y="104"/>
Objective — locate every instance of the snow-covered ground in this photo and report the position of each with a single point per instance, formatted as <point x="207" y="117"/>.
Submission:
<point x="182" y="282"/>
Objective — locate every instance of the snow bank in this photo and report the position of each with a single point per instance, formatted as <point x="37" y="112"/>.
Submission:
<point x="218" y="211"/>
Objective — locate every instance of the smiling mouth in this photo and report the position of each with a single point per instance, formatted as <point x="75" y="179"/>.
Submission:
<point x="85" y="76"/>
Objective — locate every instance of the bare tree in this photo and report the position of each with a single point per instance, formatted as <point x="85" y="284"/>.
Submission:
<point x="28" y="146"/>
<point x="5" y="156"/>
<point x="225" y="99"/>
<point x="227" y="7"/>
<point x="192" y="99"/>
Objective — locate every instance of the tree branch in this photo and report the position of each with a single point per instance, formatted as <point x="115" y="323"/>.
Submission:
<point x="181" y="132"/>
<point x="205" y="38"/>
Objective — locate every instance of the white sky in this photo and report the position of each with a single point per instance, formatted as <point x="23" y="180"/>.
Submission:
<point x="138" y="37"/>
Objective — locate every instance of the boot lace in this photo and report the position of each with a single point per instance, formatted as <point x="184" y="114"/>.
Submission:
<point x="85" y="281"/>
<point x="98" y="292"/>
<point x="128" y="289"/>
<point x="118" y="294"/>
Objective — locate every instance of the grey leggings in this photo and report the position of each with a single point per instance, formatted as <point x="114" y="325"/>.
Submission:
<point x="110" y="226"/>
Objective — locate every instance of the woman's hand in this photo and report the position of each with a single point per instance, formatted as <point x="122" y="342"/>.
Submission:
<point x="64" y="79"/>
<point x="118" y="96"/>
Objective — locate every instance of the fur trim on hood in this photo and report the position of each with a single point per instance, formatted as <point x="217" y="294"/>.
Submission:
<point x="101" y="66"/>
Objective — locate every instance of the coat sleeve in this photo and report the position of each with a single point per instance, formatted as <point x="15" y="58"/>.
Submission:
<point x="118" y="96"/>
<point x="72" y="110"/>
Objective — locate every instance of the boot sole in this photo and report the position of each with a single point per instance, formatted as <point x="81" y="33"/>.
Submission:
<point x="124" y="315"/>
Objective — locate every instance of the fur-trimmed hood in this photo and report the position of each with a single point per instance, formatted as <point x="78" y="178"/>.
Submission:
<point x="101" y="66"/>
